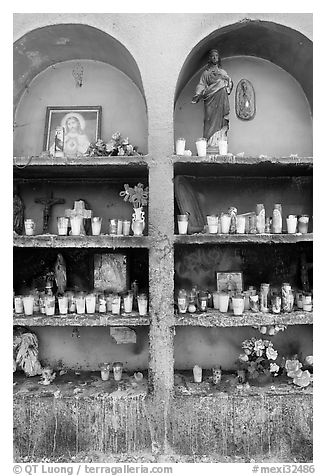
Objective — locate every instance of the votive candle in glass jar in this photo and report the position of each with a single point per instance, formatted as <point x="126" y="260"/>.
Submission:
<point x="216" y="300"/>
<point x="222" y="147"/>
<point x="28" y="303"/>
<point x="71" y="302"/>
<point x="80" y="304"/>
<point x="252" y="225"/>
<point x="307" y="302"/>
<point x="105" y="371"/>
<point x="180" y="146"/>
<point x="202" y="301"/>
<point x="291" y="224"/>
<point x="183" y="224"/>
<point x="76" y="224"/>
<point x="303" y="223"/>
<point x="49" y="302"/>
<point x="63" y="304"/>
<point x="260" y="218"/>
<point x="19" y="307"/>
<point x="276" y="304"/>
<point x="225" y="223"/>
<point x="126" y="227"/>
<point x="142" y="304"/>
<point x="198" y="373"/>
<point x="238" y="305"/>
<point x="254" y="303"/>
<point x="90" y="303"/>
<point x="182" y="301"/>
<point x="212" y="222"/>
<point x="109" y="299"/>
<point x="201" y="146"/>
<point x="223" y="302"/>
<point x="113" y="226"/>
<point x="62" y="223"/>
<point x="127" y="301"/>
<point x="102" y="303"/>
<point x="247" y="295"/>
<point x="116" y="302"/>
<point x="96" y="226"/>
<point x="29" y="227"/>
<point x="241" y="224"/>
<point x="298" y="298"/>
<point x="117" y="368"/>
<point x="119" y="227"/>
<point x="277" y="218"/>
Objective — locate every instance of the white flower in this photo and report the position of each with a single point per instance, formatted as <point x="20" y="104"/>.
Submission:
<point x="271" y="353"/>
<point x="243" y="357"/>
<point x="274" y="367"/>
<point x="309" y="360"/>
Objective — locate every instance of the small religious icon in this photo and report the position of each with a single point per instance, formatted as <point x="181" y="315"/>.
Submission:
<point x="245" y="100"/>
<point x="60" y="274"/>
<point x="48" y="203"/>
<point x="214" y="88"/>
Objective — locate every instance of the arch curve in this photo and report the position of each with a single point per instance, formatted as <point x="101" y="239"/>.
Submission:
<point x="44" y="47"/>
<point x="279" y="44"/>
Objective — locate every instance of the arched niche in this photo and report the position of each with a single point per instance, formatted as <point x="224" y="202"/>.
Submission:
<point x="278" y="62"/>
<point x="44" y="60"/>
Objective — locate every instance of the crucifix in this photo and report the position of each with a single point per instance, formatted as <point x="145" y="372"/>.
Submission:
<point x="48" y="203"/>
<point x="79" y="210"/>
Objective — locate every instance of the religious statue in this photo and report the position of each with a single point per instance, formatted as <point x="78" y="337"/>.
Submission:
<point x="60" y="274"/>
<point x="214" y="88"/>
<point x="18" y="210"/>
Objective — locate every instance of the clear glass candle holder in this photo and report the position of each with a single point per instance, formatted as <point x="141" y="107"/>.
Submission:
<point x="142" y="301"/>
<point x="96" y="226"/>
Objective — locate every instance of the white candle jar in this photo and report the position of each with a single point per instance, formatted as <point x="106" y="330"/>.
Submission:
<point x="291" y="223"/>
<point x="180" y="146"/>
<point x="62" y="223"/>
<point x="201" y="146"/>
<point x="29" y="227"/>
<point x="49" y="302"/>
<point x="182" y="224"/>
<point x="75" y="223"/>
<point x="223" y="147"/>
<point x="80" y="304"/>
<point x="241" y="224"/>
<point x="216" y="300"/>
<point x="19" y="307"/>
<point x="96" y="226"/>
<point x="142" y="304"/>
<point x="63" y="304"/>
<point x="223" y="300"/>
<point x="90" y="303"/>
<point x="117" y="371"/>
<point x="28" y="303"/>
<point x="116" y="300"/>
<point x="238" y="305"/>
<point x="225" y="223"/>
<point x="198" y="373"/>
<point x="127" y="301"/>
<point x="126" y="227"/>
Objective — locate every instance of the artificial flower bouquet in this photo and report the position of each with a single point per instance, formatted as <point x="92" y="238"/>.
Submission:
<point x="258" y="358"/>
<point x="115" y="146"/>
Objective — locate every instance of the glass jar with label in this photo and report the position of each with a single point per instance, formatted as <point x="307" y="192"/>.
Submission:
<point x="202" y="301"/>
<point x="277" y="218"/>
<point x="182" y="301"/>
<point x="287" y="298"/>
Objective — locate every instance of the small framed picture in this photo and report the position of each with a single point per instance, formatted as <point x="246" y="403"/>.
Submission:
<point x="69" y="130"/>
<point x="226" y="282"/>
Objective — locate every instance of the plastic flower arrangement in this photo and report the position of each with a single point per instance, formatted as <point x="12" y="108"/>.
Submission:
<point x="258" y="358"/>
<point x="137" y="195"/>
<point x="115" y="146"/>
<point x="301" y="378"/>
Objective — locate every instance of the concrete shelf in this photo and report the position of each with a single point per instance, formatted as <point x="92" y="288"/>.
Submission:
<point x="231" y="165"/>
<point x="205" y="238"/>
<point x="81" y="167"/>
<point x="81" y="320"/>
<point x="101" y="241"/>
<point x="214" y="318"/>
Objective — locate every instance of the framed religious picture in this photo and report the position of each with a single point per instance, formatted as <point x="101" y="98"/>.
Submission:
<point x="226" y="282"/>
<point x="69" y="130"/>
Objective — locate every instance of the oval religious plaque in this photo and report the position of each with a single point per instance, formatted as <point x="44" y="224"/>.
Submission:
<point x="245" y="100"/>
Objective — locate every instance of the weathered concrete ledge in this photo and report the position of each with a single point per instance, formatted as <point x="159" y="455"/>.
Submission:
<point x="202" y="238"/>
<point x="238" y="160"/>
<point x="124" y="161"/>
<point x="101" y="241"/>
<point x="48" y="422"/>
<point x="214" y="318"/>
<point x="81" y="320"/>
